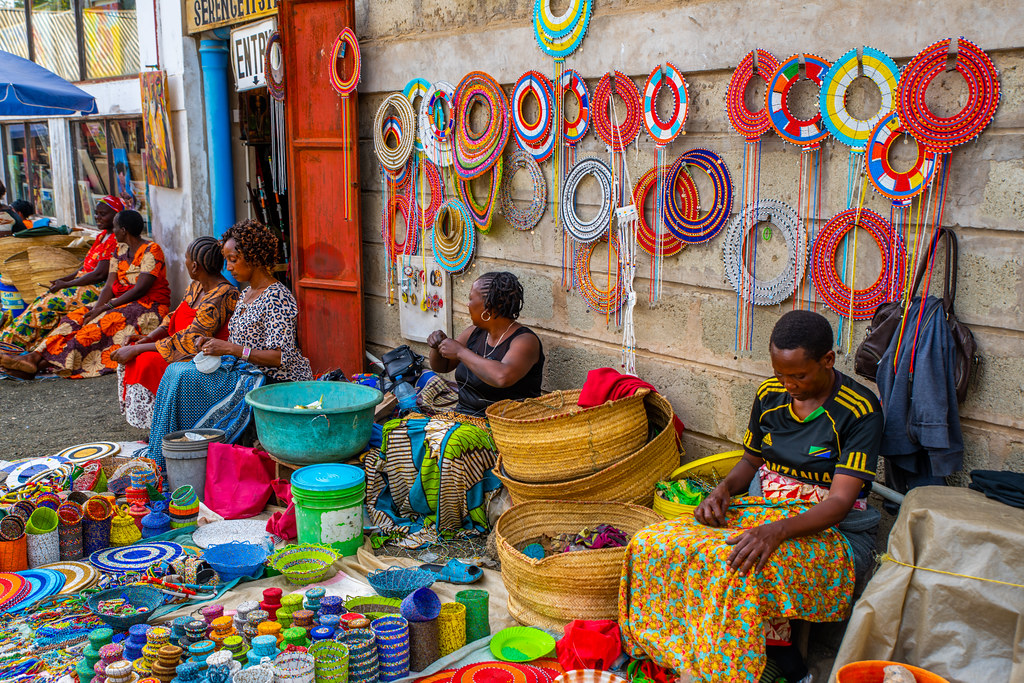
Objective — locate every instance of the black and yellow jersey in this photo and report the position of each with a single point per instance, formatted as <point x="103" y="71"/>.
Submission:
<point x="843" y="435"/>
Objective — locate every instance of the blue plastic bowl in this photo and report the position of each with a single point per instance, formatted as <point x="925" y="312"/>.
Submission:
<point x="341" y="428"/>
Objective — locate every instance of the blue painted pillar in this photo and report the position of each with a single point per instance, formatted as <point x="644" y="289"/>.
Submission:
<point x="216" y="81"/>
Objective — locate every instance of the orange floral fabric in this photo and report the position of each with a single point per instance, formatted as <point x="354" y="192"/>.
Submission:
<point x="103" y="249"/>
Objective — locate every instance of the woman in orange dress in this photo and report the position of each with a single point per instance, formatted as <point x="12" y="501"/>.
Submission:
<point x="203" y="313"/>
<point x="134" y="300"/>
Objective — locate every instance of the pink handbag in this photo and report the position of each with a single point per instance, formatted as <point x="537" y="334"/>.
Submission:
<point x="237" y="480"/>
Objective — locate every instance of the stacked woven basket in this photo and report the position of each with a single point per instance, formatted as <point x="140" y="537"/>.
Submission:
<point x="569" y="468"/>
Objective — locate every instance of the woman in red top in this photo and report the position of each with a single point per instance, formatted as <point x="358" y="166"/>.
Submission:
<point x="204" y="312"/>
<point x="71" y="291"/>
<point x="134" y="301"/>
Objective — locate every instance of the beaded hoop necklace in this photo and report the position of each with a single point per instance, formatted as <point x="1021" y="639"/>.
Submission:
<point x="604" y="301"/>
<point x="346" y="47"/>
<point x="687" y="189"/>
<point x="596" y="227"/>
<point x="742" y="275"/>
<point x="481" y="214"/>
<point x="437" y="126"/>
<point x="560" y="36"/>
<point x="941" y="134"/>
<point x="416" y="88"/>
<point x="874" y="65"/>
<point x="750" y="124"/>
<point x="394" y="158"/>
<point x="475" y="154"/>
<point x="899" y="186"/>
<point x="426" y="174"/>
<point x="676" y="214"/>
<point x="397" y="203"/>
<point x="573" y="131"/>
<point x="803" y="133"/>
<point x="537" y="138"/>
<point x="523" y="219"/>
<point x="273" y="66"/>
<point x="617" y="137"/>
<point x="453" y="251"/>
<point x="862" y="303"/>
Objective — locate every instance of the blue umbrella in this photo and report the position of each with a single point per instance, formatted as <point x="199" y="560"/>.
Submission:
<point x="27" y="89"/>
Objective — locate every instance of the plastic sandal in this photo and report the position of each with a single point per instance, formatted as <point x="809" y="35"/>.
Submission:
<point x="455" y="572"/>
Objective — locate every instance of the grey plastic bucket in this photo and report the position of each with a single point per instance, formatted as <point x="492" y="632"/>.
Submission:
<point x="186" y="460"/>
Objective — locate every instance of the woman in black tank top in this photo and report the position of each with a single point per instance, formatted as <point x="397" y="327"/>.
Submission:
<point x="495" y="358"/>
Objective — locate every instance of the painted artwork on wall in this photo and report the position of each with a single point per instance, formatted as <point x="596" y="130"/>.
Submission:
<point x="159" y="156"/>
<point x="123" y="178"/>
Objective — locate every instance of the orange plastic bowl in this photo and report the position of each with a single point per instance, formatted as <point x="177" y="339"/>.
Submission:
<point x="874" y="672"/>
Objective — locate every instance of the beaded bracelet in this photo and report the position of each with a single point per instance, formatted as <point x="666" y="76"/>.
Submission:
<point x="827" y="281"/>
<point x="416" y="88"/>
<point x="875" y="65"/>
<point x="523" y="219"/>
<point x="595" y="228"/>
<point x="618" y="137"/>
<point x="809" y="133"/>
<point x="606" y="301"/>
<point x="345" y="41"/>
<point x="481" y="214"/>
<point x="941" y="134"/>
<point x="437" y="124"/>
<point x="670" y="244"/>
<point x="453" y="248"/>
<point x="750" y="124"/>
<point x="560" y="36"/>
<point x="744" y="228"/>
<point x="273" y="66"/>
<point x="571" y="82"/>
<point x="475" y="154"/>
<point x="899" y="186"/>
<point x="665" y="76"/>
<point x="404" y="126"/>
<point x="677" y="217"/>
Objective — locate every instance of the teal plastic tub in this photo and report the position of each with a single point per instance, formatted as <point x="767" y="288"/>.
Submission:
<point x="329" y="505"/>
<point x="339" y="428"/>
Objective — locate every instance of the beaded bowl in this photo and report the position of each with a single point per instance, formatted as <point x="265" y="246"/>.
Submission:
<point x="136" y="596"/>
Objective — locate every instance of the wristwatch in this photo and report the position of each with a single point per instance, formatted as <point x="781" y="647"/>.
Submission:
<point x="245" y="353"/>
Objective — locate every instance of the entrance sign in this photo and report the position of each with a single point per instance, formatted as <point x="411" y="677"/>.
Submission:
<point x="248" y="44"/>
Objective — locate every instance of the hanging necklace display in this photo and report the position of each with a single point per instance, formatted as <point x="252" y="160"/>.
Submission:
<point x="346" y="48"/>
<point x="617" y="137"/>
<point x="273" y="68"/>
<point x="857" y="304"/>
<point x="394" y="160"/>
<point x="523" y="219"/>
<point x="427" y="175"/>
<point x="437" y="124"/>
<point x="751" y="125"/>
<point x="899" y="186"/>
<point x="538" y="137"/>
<point x="453" y="247"/>
<point x="742" y="275"/>
<point x="677" y="216"/>
<point x="688" y="202"/>
<point x="481" y="214"/>
<point x="603" y="301"/>
<point x="594" y="229"/>
<point x="662" y="131"/>
<point x="398" y="203"/>
<point x="475" y="154"/>
<point x="560" y="36"/>
<point x="569" y="134"/>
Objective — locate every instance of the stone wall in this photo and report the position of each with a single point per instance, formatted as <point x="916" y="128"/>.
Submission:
<point x="686" y="342"/>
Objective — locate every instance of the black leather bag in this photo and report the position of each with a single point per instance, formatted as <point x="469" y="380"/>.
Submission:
<point x="885" y="323"/>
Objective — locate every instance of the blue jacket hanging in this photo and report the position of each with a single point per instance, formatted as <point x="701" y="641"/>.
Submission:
<point x="921" y="413"/>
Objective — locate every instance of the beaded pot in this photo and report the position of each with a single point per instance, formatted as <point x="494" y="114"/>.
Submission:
<point x="222" y="627"/>
<point x="211" y="612"/>
<point x="332" y="604"/>
<point x="392" y="647"/>
<point x="313" y="598"/>
<point x="294" y="636"/>
<point x="289" y="604"/>
<point x="242" y="613"/>
<point x="303" y="618"/>
<point x="262" y="646"/>
<point x="271" y="602"/>
<point x="362" y="656"/>
<point x="424" y="644"/>
<point x="331" y="661"/>
<point x="321" y="633"/>
<point x="294" y="667"/>
<point x="271" y="628"/>
<point x="198" y="652"/>
<point x="236" y="646"/>
<point x="135" y="641"/>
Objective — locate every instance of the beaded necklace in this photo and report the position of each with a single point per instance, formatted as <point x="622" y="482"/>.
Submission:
<point x="481" y="213"/>
<point x="617" y="136"/>
<point x="535" y="138"/>
<point x="604" y="301"/>
<point x="475" y="154"/>
<point x="743" y="276"/>
<point x="523" y="219"/>
<point x="453" y="250"/>
<point x="568" y="134"/>
<point x="560" y="36"/>
<point x="437" y="124"/>
<point x="677" y="215"/>
<point x="416" y="88"/>
<point x="592" y="230"/>
<point x="687" y="190"/>
<point x="403" y="127"/>
<point x="273" y="66"/>
<point x="346" y="47"/>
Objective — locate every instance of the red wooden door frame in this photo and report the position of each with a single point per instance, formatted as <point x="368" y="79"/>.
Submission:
<point x="323" y="186"/>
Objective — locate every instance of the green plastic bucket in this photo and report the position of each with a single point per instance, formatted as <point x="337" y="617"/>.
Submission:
<point x="329" y="505"/>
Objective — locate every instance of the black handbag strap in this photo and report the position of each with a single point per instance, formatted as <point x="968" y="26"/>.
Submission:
<point x="952" y="265"/>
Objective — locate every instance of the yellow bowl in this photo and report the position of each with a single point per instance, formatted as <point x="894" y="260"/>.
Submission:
<point x="713" y="467"/>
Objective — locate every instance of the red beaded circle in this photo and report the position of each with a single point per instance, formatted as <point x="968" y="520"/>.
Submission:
<point x="749" y="124"/>
<point x="621" y="136"/>
<point x="686" y="189"/>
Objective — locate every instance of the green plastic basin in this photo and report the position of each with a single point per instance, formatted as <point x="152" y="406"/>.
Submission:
<point x="339" y="429"/>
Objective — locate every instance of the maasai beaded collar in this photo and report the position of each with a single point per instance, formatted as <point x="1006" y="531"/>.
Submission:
<point x="345" y="45"/>
<point x="481" y="214"/>
<point x="743" y="228"/>
<point x="273" y="66"/>
<point x="560" y="36"/>
<point x="750" y="124"/>
<point x="665" y="76"/>
<point x="421" y="217"/>
<point x="523" y="219"/>
<point x="437" y="127"/>
<point x="827" y="282"/>
<point x="618" y="137"/>
<point x="596" y="227"/>
<point x="939" y="134"/>
<point x="605" y="301"/>
<point x="416" y="88"/>
<point x="536" y="138"/>
<point x="573" y="131"/>
<point x="899" y="186"/>
<point x="398" y="204"/>
<point x="875" y="65"/>
<point x="670" y="244"/>
<point x="475" y="154"/>
<point x="394" y="158"/>
<point x="453" y="251"/>
<point x="677" y="215"/>
<point x="808" y="133"/>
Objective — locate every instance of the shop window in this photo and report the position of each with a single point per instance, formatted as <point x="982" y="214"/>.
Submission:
<point x="27" y="165"/>
<point x="107" y="157"/>
<point x="76" y="39"/>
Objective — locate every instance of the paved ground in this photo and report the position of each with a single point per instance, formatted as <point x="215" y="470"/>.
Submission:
<point x="42" y="417"/>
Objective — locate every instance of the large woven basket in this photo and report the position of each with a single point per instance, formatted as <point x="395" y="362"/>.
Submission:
<point x="38" y="265"/>
<point x="551" y="439"/>
<point x="13" y="246"/>
<point x="630" y="480"/>
<point x="583" y="584"/>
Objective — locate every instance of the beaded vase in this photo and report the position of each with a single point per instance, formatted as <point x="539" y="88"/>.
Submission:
<point x="452" y="627"/>
<point x="331" y="661"/>
<point x="392" y="634"/>
<point x="313" y="598"/>
<point x="362" y="656"/>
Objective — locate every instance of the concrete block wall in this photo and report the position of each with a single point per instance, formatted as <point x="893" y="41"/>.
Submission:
<point x="686" y="342"/>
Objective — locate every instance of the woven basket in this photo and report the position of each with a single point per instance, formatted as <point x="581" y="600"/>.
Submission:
<point x="583" y="584"/>
<point x="10" y="247"/>
<point x="303" y="563"/>
<point x="28" y="269"/>
<point x="630" y="480"/>
<point x="451" y="627"/>
<point x="14" y="554"/>
<point x="551" y="439"/>
<point x="398" y="582"/>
